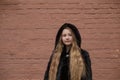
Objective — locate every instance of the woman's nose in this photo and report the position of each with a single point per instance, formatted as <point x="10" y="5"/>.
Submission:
<point x="67" y="37"/>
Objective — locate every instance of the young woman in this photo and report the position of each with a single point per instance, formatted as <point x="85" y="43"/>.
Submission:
<point x="68" y="60"/>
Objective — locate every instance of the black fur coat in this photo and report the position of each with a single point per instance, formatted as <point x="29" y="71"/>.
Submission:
<point x="63" y="67"/>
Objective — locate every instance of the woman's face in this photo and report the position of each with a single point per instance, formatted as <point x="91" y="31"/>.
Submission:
<point x="67" y="37"/>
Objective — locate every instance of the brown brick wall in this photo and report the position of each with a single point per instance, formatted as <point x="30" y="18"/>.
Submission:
<point x="28" y="29"/>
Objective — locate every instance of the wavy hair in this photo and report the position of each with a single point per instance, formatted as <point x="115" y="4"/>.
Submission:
<point x="77" y="65"/>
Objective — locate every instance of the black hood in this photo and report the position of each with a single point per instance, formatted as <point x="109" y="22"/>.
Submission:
<point x="73" y="28"/>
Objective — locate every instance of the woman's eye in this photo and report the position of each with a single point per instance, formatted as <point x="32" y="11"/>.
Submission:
<point x="64" y="35"/>
<point x="70" y="34"/>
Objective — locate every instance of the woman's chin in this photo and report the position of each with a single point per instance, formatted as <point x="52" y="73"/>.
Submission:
<point x="68" y="44"/>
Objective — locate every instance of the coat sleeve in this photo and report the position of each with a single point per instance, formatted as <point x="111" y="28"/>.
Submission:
<point x="88" y="65"/>
<point x="46" y="75"/>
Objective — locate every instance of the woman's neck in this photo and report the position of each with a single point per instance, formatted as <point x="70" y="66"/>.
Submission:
<point x="67" y="48"/>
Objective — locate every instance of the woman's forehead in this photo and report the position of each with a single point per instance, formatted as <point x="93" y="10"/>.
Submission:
<point x="66" y="31"/>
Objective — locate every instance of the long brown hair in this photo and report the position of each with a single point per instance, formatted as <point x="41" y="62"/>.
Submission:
<point x="77" y="66"/>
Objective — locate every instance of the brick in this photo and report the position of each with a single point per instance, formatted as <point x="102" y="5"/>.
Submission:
<point x="28" y="29"/>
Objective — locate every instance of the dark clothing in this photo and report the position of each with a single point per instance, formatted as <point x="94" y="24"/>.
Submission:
<point x="63" y="71"/>
<point x="63" y="68"/>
